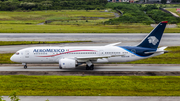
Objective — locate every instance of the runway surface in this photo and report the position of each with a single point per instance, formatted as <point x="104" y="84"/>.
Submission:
<point x="109" y="67"/>
<point x="97" y="98"/>
<point x="95" y="37"/>
<point x="130" y="39"/>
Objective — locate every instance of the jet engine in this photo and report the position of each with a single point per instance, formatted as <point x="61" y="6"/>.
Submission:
<point x="67" y="63"/>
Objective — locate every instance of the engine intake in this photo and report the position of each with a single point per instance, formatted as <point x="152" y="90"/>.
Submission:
<point x="67" y="63"/>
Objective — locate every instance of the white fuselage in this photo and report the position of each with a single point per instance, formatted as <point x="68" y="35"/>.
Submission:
<point x="54" y="54"/>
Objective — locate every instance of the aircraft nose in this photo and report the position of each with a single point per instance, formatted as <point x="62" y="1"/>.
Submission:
<point x="12" y="58"/>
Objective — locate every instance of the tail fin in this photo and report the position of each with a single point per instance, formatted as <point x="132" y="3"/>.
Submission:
<point x="153" y="39"/>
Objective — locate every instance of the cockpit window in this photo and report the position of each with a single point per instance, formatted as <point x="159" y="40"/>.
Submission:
<point x="17" y="53"/>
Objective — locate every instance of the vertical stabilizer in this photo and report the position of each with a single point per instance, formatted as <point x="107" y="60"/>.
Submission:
<point x="153" y="39"/>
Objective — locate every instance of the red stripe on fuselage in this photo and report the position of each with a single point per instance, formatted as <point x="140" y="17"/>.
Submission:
<point x="65" y="53"/>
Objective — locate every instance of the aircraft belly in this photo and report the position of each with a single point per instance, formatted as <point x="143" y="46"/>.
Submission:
<point x="38" y="60"/>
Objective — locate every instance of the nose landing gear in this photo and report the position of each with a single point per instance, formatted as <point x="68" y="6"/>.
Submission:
<point x="25" y="65"/>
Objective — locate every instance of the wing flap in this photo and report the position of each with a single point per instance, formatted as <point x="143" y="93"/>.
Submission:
<point x="96" y="57"/>
<point x="113" y="44"/>
<point x="92" y="57"/>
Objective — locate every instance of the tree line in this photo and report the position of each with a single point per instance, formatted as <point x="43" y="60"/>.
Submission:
<point x="135" y="13"/>
<point x="131" y="14"/>
<point x="10" y="5"/>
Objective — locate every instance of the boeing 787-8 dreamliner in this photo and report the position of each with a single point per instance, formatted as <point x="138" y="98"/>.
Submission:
<point x="71" y="57"/>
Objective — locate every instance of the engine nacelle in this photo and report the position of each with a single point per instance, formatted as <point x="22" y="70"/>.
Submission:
<point x="67" y="63"/>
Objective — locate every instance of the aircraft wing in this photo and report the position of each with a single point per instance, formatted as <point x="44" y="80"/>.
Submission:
<point x="113" y="44"/>
<point x="96" y="57"/>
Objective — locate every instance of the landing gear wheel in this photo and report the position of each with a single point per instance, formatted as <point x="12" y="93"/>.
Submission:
<point x="25" y="66"/>
<point x="87" y="67"/>
<point x="90" y="67"/>
<point x="60" y="67"/>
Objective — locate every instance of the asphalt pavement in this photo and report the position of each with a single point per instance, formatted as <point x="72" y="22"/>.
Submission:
<point x="130" y="39"/>
<point x="97" y="67"/>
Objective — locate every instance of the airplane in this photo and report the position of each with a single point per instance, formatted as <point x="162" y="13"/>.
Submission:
<point x="71" y="57"/>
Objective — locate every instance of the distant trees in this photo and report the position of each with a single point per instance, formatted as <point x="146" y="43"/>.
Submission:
<point x="134" y="13"/>
<point x="163" y="1"/>
<point x="131" y="14"/>
<point x="27" y="5"/>
<point x="176" y="1"/>
<point x="9" y="5"/>
<point x="158" y="15"/>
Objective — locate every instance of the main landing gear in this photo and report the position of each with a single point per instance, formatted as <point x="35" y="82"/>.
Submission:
<point x="89" y="65"/>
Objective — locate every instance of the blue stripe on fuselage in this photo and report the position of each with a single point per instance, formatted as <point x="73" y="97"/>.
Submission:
<point x="138" y="51"/>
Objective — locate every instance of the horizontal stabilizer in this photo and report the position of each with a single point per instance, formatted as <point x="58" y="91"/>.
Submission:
<point x="155" y="52"/>
<point x="162" y="48"/>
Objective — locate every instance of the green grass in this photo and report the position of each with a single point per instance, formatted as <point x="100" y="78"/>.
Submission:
<point x="35" y="17"/>
<point x="5" y="58"/>
<point x="172" y="57"/>
<point x="86" y="27"/>
<point x="64" y="21"/>
<point x="164" y="5"/>
<point x="68" y="21"/>
<point x="2" y="43"/>
<point x="169" y="5"/>
<point x="79" y="22"/>
<point x="173" y="10"/>
<point x="123" y="28"/>
<point x="90" y="85"/>
<point x="20" y="28"/>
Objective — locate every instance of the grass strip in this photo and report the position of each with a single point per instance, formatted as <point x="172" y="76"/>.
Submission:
<point x="122" y="28"/>
<point x="90" y="85"/>
<point x="5" y="58"/>
<point x="24" y="28"/>
<point x="91" y="21"/>
<point x="172" y="57"/>
<point x="39" y="16"/>
<point x="2" y="43"/>
<point x="173" y="10"/>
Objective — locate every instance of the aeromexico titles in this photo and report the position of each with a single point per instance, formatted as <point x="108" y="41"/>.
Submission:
<point x="71" y="57"/>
